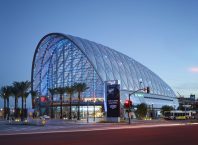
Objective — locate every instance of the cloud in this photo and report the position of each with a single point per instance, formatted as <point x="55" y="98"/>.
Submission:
<point x="194" y="69"/>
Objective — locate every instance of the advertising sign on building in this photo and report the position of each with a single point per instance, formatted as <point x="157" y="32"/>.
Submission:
<point x="113" y="99"/>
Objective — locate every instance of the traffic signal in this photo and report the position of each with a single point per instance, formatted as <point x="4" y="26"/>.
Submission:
<point x="43" y="99"/>
<point x="128" y="104"/>
<point x="148" y="90"/>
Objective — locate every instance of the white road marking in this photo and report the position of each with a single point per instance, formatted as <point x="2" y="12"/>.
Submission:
<point x="99" y="129"/>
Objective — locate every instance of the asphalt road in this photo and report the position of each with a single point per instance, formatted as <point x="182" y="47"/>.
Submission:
<point x="175" y="135"/>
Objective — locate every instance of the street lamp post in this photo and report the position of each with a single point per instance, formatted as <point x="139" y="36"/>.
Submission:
<point x="87" y="112"/>
<point x="94" y="110"/>
<point x="185" y="107"/>
<point x="129" y="111"/>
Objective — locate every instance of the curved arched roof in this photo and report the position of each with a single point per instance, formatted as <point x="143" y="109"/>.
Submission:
<point x="111" y="65"/>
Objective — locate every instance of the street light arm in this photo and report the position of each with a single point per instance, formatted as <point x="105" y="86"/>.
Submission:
<point x="147" y="89"/>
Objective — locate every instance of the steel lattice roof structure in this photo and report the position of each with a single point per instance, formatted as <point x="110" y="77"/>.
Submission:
<point x="62" y="60"/>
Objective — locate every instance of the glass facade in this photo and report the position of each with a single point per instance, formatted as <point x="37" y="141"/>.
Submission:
<point x="62" y="60"/>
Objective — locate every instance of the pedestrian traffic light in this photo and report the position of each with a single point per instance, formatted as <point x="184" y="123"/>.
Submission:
<point x="128" y="104"/>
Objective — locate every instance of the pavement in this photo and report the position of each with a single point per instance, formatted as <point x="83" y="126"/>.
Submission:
<point x="184" y="134"/>
<point x="58" y="126"/>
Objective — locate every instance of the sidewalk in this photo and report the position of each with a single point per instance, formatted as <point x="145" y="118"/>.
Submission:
<point x="58" y="122"/>
<point x="62" y="122"/>
<point x="60" y="126"/>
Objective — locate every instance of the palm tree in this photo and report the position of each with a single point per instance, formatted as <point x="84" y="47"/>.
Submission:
<point x="61" y="91"/>
<point x="25" y="98"/>
<point x="70" y="91"/>
<point x="52" y="92"/>
<point x="16" y="94"/>
<point x="34" y="94"/>
<point x="7" y="93"/>
<point x="2" y="94"/>
<point x="79" y="88"/>
<point x="23" y="89"/>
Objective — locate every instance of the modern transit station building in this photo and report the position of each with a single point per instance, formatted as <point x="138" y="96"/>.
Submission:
<point x="61" y="60"/>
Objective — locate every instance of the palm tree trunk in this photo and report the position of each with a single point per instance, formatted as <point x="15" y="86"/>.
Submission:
<point x="8" y="107"/>
<point x="4" y="108"/>
<point x="33" y="103"/>
<point x="15" y="102"/>
<point x="8" y="102"/>
<point x="25" y="110"/>
<point x="70" y="107"/>
<point x="25" y="103"/>
<point x="52" y="110"/>
<point x="61" y="107"/>
<point x="15" y="106"/>
<point x="40" y="110"/>
<point x="4" y="103"/>
<point x="78" y="106"/>
<point x="22" y="117"/>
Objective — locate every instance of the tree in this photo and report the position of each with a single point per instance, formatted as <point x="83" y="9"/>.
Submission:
<point x="195" y="106"/>
<point x="52" y="92"/>
<point x="25" y="98"/>
<point x="70" y="91"/>
<point x="141" y="110"/>
<point x="166" y="108"/>
<point x="2" y="94"/>
<point x="6" y="93"/>
<point x="16" y="94"/>
<point x="61" y="91"/>
<point x="23" y="89"/>
<point x="34" y="94"/>
<point x="79" y="88"/>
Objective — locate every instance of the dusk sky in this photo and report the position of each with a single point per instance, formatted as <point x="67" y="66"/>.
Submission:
<point x="161" y="34"/>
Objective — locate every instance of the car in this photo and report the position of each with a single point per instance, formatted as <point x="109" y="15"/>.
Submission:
<point x="45" y="117"/>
